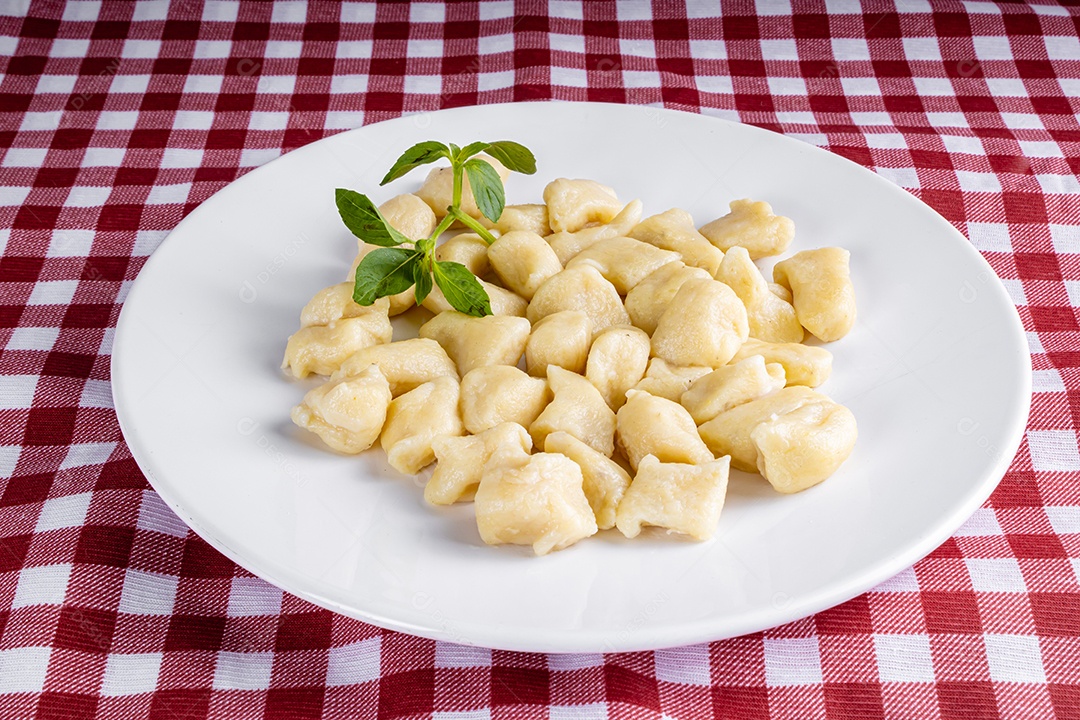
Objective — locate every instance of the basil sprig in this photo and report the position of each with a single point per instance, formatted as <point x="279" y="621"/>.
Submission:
<point x="400" y="262"/>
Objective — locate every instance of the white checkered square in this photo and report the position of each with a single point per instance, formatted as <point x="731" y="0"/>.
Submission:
<point x="355" y="663"/>
<point x="82" y="454"/>
<point x="212" y="49"/>
<point x="904" y="658"/>
<point x="947" y="119"/>
<point x="43" y="585"/>
<point x="79" y="10"/>
<point x="140" y="49"/>
<point x="1062" y="47"/>
<point x="1014" y="659"/>
<point x="354" y="49"/>
<point x="496" y="44"/>
<point x="903" y="176"/>
<point x="41" y="121"/>
<point x="567" y="43"/>
<point x="168" y="194"/>
<point x="990" y="237"/>
<point x="1006" y="87"/>
<point x="221" y="11"/>
<point x="131" y="674"/>
<point x="359" y="13"/>
<point x="202" y="84"/>
<point x="9" y="458"/>
<point x="1054" y="450"/>
<point x="978" y="182"/>
<point x="103" y="157"/>
<point x="497" y="10"/>
<point x="68" y="48"/>
<point x="276" y="84"/>
<point x="684" y="665"/>
<point x="1021" y="121"/>
<point x="33" y="338"/>
<point x="568" y="9"/>
<point x="253" y="157"/>
<point x="156" y="516"/>
<point x="193" y="120"/>
<point x="850" y="49"/>
<point x="574" y="661"/>
<point x="53" y="292"/>
<point x="922" y="48"/>
<point x="982" y="523"/>
<point x="779" y="50"/>
<point x="1040" y="148"/>
<point x="22" y="670"/>
<point x="243" y="671"/>
<point x="708" y="49"/>
<point x="1066" y="238"/>
<point x="997" y="575"/>
<point x="1065" y="519"/>
<point x="569" y="77"/>
<point x="786" y="86"/>
<point x="637" y="48"/>
<point x="425" y="48"/>
<point x="62" y="84"/>
<point x="495" y="80"/>
<point x="452" y="655"/>
<point x="147" y="593"/>
<point x="342" y="84"/>
<point x="934" y="87"/>
<point x="792" y="661"/>
<point x="423" y="84"/>
<point x="591" y="711"/>
<point x="63" y="512"/>
<point x="181" y="158"/>
<point x="151" y="10"/>
<point x="86" y="196"/>
<point x="1058" y="184"/>
<point x="906" y="581"/>
<point x="17" y="391"/>
<point x="250" y="597"/>
<point x="992" y="47"/>
<point x="427" y="12"/>
<point x="13" y="196"/>
<point x="1047" y="381"/>
<point x="284" y="49"/>
<point x="860" y="86"/>
<point x="720" y="84"/>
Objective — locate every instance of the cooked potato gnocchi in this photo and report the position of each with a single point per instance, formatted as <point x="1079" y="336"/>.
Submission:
<point x="701" y="368"/>
<point x="753" y="226"/>
<point x="405" y="364"/>
<point x="562" y="339"/>
<point x="573" y="204"/>
<point x="580" y="288"/>
<point x="495" y="394"/>
<point x="649" y="425"/>
<point x="473" y="342"/>
<point x="705" y="324"/>
<point x="577" y="408"/>
<point x="533" y="500"/>
<point x="674" y="230"/>
<point x="348" y="413"/>
<point x="617" y="361"/>
<point x="461" y="461"/>
<point x="681" y="497"/>
<point x="820" y="284"/>
<point x="414" y="420"/>
<point x="770" y="318"/>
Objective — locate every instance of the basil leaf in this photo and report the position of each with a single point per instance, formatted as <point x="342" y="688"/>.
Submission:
<point x="364" y="220"/>
<point x="487" y="188"/>
<point x="461" y="289"/>
<point x="471" y="149"/>
<point x="514" y="156"/>
<point x="383" y="272"/>
<point x="419" y="154"/>
<point x="422" y="278"/>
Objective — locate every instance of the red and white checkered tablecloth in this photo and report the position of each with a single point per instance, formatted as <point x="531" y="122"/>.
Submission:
<point x="118" y="118"/>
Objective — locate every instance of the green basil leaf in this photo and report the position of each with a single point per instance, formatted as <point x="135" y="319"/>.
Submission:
<point x="364" y="220"/>
<point x="419" y="154"/>
<point x="461" y="289"/>
<point x="471" y="149"/>
<point x="487" y="188"/>
<point x="514" y="156"/>
<point x="383" y="272"/>
<point x="422" y="278"/>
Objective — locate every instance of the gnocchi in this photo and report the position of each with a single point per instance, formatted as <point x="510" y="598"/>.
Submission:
<point x="468" y="249"/>
<point x="495" y="394"/>
<point x="648" y="300"/>
<point x="461" y="461"/>
<point x="674" y="230"/>
<point x="405" y="364"/>
<point x="503" y="301"/>
<point x="669" y="381"/>
<point x="623" y="261"/>
<point x="579" y="288"/>
<point x="438" y="189"/>
<point x="604" y="481"/>
<point x="473" y="342"/>
<point x="336" y="302"/>
<point x="753" y="226"/>
<point x="562" y="339"/>
<point x="414" y="420"/>
<point x="573" y="204"/>
<point x="409" y="215"/>
<point x="617" y="361"/>
<point x="568" y="244"/>
<point x="705" y="324"/>
<point x="530" y="217"/>
<point x="681" y="497"/>
<point x="820" y="284"/>
<point x="577" y="408"/>
<point x="731" y="385"/>
<point x="648" y="425"/>
<point x="803" y="364"/>
<point x="347" y="414"/>
<point x="770" y="318"/>
<point x="323" y="349"/>
<point x="523" y="261"/>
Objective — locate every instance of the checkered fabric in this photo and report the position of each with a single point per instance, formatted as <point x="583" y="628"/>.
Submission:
<point x="118" y="118"/>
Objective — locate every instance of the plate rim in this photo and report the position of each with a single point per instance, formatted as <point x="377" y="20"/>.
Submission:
<point x="583" y="640"/>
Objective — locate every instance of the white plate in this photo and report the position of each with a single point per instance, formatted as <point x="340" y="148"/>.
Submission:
<point x="936" y="371"/>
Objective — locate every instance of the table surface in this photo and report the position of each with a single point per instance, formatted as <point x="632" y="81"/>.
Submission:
<point x="117" y="119"/>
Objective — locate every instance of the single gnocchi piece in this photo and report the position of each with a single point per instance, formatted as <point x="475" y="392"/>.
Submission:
<point x="323" y="349"/>
<point x="820" y="284"/>
<point x="533" y="500"/>
<point x="503" y="301"/>
<point x="674" y="230"/>
<point x="573" y="204"/>
<point x="751" y="225"/>
<point x="405" y="364"/>
<point x="414" y="420"/>
<point x="705" y="324"/>
<point x="684" y="498"/>
<point x="669" y="381"/>
<point x="409" y="215"/>
<point x="807" y="365"/>
<point x="732" y="433"/>
<point x="496" y="394"/>
<point x="562" y="339"/>
<point x="649" y="425"/>
<point x="781" y="292"/>
<point x="398" y="303"/>
<point x="617" y="361"/>
<point x="461" y="461"/>
<point x="523" y="261"/>
<point x="801" y="448"/>
<point x="604" y="481"/>
<point x="348" y="413"/>
<point x="731" y="385"/>
<point x="648" y="300"/>
<point x="771" y="319"/>
<point x="473" y="342"/>
<point x="577" y="408"/>
<point x="530" y="217"/>
<point x="580" y="288"/>
<point x="335" y="302"/>
<point x="568" y="244"/>
<point x="468" y="249"/>
<point x="438" y="189"/>
<point x="623" y="261"/>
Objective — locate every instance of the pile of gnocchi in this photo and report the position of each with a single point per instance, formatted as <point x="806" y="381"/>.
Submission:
<point x="627" y="365"/>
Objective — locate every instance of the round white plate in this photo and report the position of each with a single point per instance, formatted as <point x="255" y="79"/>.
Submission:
<point x="936" y="371"/>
